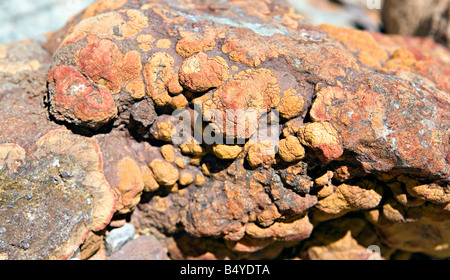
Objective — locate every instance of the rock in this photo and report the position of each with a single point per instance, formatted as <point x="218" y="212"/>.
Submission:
<point x="417" y="18"/>
<point x="62" y="186"/>
<point x="344" y="239"/>
<point x="118" y="237"/>
<point x="144" y="247"/>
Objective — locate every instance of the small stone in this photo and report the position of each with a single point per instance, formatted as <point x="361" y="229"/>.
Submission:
<point x="118" y="237"/>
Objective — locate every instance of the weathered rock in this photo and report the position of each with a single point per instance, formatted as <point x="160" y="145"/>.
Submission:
<point x="344" y="239"/>
<point x="144" y="247"/>
<point x="61" y="188"/>
<point x="49" y="173"/>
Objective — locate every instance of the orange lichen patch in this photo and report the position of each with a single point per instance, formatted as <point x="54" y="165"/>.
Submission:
<point x="179" y="162"/>
<point x="291" y="104"/>
<point x="150" y="184"/>
<point x="261" y="153"/>
<point x="259" y="9"/>
<point x="250" y="50"/>
<point x="369" y="51"/>
<point x="136" y="88"/>
<point x="227" y="151"/>
<point x="290" y="149"/>
<point x="163" y="44"/>
<point x="430" y="192"/>
<point x="236" y="106"/>
<point x="323" y="139"/>
<point x="291" y="20"/>
<point x="328" y="62"/>
<point x="168" y="153"/>
<point x="164" y="173"/>
<point x="131" y="185"/>
<point x="11" y="156"/>
<point x="192" y="148"/>
<point x="348" y="198"/>
<point x="114" y="25"/>
<point x="101" y="61"/>
<point x="74" y="97"/>
<point x="325" y="179"/>
<point x="162" y="128"/>
<point x="324" y="99"/>
<point x="193" y="42"/>
<point x="102" y="5"/>
<point x="206" y="169"/>
<point x="199" y="180"/>
<point x="268" y="216"/>
<point x="186" y="179"/>
<point x="401" y="59"/>
<point x="173" y="86"/>
<point x="179" y="102"/>
<point x="196" y="160"/>
<point x="297" y="230"/>
<point x="86" y="152"/>
<point x="325" y="191"/>
<point x="158" y="72"/>
<point x="234" y="68"/>
<point x="145" y="41"/>
<point x="199" y="73"/>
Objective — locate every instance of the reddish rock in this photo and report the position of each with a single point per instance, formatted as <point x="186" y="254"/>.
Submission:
<point x="144" y="247"/>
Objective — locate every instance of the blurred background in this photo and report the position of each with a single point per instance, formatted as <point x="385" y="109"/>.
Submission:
<point x="22" y="19"/>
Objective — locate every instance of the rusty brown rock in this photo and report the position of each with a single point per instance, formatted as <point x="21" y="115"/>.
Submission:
<point x="199" y="73"/>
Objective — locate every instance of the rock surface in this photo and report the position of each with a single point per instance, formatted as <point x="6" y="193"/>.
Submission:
<point x="364" y="128"/>
<point x="145" y="247"/>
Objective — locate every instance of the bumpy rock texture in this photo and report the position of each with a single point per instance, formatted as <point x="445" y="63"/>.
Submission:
<point x="364" y="124"/>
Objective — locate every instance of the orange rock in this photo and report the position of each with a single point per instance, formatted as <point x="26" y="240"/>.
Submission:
<point x="158" y="72"/>
<point x="290" y="149"/>
<point x="131" y="185"/>
<point x="199" y="73"/>
<point x="76" y="98"/>
<point x="164" y="173"/>
<point x="291" y="104"/>
<point x="322" y="138"/>
<point x="229" y="102"/>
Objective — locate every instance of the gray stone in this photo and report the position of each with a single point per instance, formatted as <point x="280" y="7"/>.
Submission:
<point x="118" y="237"/>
